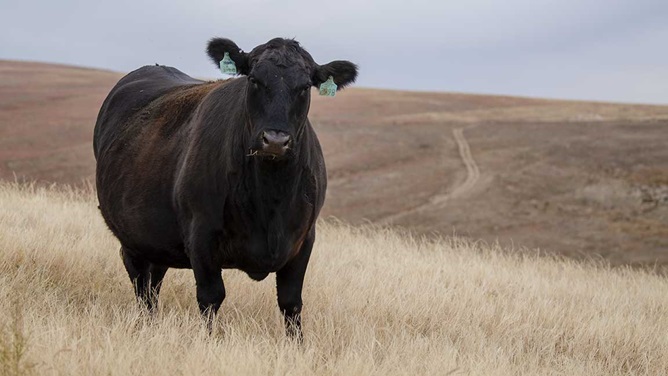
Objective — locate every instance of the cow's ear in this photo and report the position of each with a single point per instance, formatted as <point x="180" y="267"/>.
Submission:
<point x="343" y="72"/>
<point x="216" y="51"/>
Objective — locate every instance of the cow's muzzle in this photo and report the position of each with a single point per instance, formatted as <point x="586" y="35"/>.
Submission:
<point x="275" y="143"/>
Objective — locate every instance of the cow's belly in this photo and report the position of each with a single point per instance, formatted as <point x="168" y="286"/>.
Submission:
<point x="140" y="215"/>
<point x="149" y="231"/>
<point x="254" y="254"/>
<point x="265" y="248"/>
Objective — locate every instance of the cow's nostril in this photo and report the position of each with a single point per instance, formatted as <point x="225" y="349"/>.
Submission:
<point x="275" y="142"/>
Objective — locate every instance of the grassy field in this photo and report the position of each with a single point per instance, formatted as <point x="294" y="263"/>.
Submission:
<point x="376" y="303"/>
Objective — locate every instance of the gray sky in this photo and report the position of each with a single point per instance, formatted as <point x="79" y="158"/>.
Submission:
<point x="613" y="50"/>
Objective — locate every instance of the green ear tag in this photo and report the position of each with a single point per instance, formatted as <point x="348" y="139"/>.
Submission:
<point x="328" y="88"/>
<point x="227" y="65"/>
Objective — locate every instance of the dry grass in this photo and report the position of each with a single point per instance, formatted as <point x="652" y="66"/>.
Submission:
<point x="376" y="302"/>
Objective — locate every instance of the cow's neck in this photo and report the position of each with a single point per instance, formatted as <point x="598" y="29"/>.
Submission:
<point x="280" y="177"/>
<point x="273" y="187"/>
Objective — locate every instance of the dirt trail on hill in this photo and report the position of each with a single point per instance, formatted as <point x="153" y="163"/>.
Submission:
<point x="472" y="177"/>
<point x="472" y="170"/>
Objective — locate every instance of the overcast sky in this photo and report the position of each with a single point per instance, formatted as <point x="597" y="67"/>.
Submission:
<point x="613" y="50"/>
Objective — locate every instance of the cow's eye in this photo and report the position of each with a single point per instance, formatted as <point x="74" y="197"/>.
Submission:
<point x="306" y="89"/>
<point x="255" y="82"/>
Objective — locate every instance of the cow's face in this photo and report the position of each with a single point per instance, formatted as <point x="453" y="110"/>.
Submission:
<point x="280" y="74"/>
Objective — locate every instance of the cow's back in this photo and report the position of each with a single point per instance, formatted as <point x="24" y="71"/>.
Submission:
<point x="140" y="136"/>
<point x="132" y="93"/>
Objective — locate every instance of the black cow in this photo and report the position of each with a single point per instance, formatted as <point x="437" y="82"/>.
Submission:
<point x="216" y="175"/>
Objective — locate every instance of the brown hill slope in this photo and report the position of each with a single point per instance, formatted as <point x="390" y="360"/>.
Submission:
<point x="578" y="178"/>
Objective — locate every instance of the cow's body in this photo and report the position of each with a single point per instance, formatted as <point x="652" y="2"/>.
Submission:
<point x="158" y="156"/>
<point x="181" y="185"/>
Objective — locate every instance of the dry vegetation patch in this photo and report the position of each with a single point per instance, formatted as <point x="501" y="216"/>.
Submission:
<point x="376" y="302"/>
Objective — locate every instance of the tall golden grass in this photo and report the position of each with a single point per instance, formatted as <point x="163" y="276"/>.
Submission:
<point x="376" y="303"/>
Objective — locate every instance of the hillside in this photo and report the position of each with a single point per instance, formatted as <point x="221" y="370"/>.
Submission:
<point x="376" y="303"/>
<point x="578" y="178"/>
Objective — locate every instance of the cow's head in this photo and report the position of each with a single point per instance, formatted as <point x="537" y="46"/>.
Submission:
<point x="280" y="74"/>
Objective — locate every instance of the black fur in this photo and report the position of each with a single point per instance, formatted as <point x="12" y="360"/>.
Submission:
<point x="181" y="184"/>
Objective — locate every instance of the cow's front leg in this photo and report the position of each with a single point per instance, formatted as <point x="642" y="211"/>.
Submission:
<point x="289" y="282"/>
<point x="207" y="270"/>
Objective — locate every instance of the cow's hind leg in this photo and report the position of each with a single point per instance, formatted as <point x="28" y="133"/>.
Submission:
<point x="146" y="278"/>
